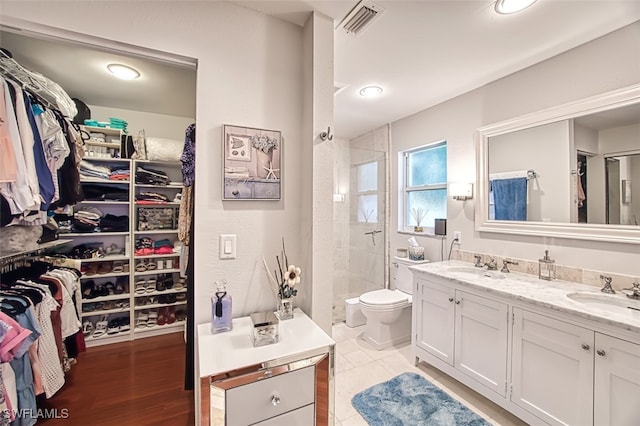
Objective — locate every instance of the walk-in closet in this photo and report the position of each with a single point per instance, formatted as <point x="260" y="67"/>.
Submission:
<point x="96" y="186"/>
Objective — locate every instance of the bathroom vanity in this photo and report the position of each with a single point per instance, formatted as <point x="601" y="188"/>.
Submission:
<point x="555" y="352"/>
<point x="288" y="382"/>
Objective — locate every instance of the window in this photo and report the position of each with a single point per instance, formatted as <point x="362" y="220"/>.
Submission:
<point x="367" y="192"/>
<point x="424" y="186"/>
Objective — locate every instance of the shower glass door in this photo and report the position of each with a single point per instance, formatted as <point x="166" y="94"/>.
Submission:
<point x="360" y="217"/>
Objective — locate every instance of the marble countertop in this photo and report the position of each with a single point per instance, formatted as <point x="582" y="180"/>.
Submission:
<point x="532" y="290"/>
<point x="231" y="350"/>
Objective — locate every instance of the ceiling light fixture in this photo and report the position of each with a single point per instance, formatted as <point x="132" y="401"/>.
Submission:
<point x="506" y="7"/>
<point x="123" y="72"/>
<point x="371" y="91"/>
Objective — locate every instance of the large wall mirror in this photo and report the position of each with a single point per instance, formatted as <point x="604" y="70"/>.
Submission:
<point x="571" y="171"/>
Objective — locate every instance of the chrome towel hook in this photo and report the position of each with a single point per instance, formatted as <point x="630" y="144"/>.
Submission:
<point x="326" y="135"/>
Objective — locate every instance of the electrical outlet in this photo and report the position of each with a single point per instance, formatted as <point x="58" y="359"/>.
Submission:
<point x="457" y="235"/>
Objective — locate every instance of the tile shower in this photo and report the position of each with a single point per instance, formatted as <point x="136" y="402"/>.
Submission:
<point x="360" y="216"/>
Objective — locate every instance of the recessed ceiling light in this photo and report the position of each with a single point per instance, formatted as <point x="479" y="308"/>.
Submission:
<point x="370" y="91"/>
<point x="506" y="7"/>
<point x="123" y="72"/>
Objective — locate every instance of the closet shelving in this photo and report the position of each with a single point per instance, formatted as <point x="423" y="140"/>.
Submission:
<point x="158" y="222"/>
<point x="129" y="304"/>
<point x="104" y="150"/>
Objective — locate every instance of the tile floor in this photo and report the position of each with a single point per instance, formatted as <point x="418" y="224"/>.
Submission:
<point x="359" y="366"/>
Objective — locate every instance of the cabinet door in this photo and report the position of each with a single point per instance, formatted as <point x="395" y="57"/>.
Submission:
<point x="481" y="340"/>
<point x="552" y="369"/>
<point x="617" y="382"/>
<point x="434" y="319"/>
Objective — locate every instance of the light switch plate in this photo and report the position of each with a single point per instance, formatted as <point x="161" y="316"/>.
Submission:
<point x="227" y="246"/>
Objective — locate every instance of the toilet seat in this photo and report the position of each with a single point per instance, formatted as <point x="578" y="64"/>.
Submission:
<point x="385" y="298"/>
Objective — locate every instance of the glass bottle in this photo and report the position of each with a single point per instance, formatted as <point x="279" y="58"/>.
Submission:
<point x="546" y="267"/>
<point x="221" y="308"/>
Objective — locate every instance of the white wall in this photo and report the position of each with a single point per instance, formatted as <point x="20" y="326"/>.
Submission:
<point x="604" y="64"/>
<point x="249" y="72"/>
<point x="545" y="150"/>
<point x="158" y="125"/>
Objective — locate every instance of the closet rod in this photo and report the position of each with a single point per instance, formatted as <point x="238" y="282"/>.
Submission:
<point x="33" y="83"/>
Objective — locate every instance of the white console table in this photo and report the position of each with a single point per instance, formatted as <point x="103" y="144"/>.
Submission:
<point x="290" y="382"/>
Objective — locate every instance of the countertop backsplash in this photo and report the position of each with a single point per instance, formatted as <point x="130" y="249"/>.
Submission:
<point x="563" y="273"/>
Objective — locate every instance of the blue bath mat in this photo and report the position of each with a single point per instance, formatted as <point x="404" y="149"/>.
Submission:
<point x="411" y="400"/>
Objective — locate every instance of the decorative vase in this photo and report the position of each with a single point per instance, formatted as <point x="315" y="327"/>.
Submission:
<point x="417" y="229"/>
<point x="263" y="162"/>
<point x="285" y="308"/>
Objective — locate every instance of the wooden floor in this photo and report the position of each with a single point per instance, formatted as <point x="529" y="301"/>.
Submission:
<point x="132" y="383"/>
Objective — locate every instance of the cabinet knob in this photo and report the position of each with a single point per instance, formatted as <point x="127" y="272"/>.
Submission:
<point x="275" y="400"/>
<point x="586" y="347"/>
<point x="451" y="299"/>
<point x="601" y="352"/>
<point x="457" y="302"/>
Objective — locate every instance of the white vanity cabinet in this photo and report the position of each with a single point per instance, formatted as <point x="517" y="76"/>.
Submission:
<point x="478" y="344"/>
<point x="617" y="382"/>
<point x="290" y="382"/>
<point x="527" y="347"/>
<point x="552" y="369"/>
<point x="570" y="375"/>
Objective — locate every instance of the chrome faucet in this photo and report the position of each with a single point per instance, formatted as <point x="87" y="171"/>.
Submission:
<point x="633" y="292"/>
<point x="607" y="285"/>
<point x="505" y="265"/>
<point x="491" y="265"/>
<point x="478" y="259"/>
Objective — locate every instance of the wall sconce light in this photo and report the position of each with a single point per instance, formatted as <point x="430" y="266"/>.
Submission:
<point x="461" y="190"/>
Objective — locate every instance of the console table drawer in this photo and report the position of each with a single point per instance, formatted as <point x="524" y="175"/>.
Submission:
<point x="301" y="417"/>
<point x="271" y="397"/>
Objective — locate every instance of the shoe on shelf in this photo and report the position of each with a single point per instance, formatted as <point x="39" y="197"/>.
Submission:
<point x="110" y="288"/>
<point x="121" y="283"/>
<point x="153" y="318"/>
<point x="180" y="284"/>
<point x="151" y="285"/>
<point x="181" y="315"/>
<point x="163" y="316"/>
<point x="105" y="267"/>
<point x="171" y="314"/>
<point x="142" y="319"/>
<point x="141" y="287"/>
<point x="124" y="324"/>
<point x="92" y="269"/>
<point x="141" y="266"/>
<point x="101" y="327"/>
<point x="160" y="283"/>
<point x="87" y="328"/>
<point x="113" y="326"/>
<point x="118" y="267"/>
<point x="87" y="289"/>
<point x="181" y="297"/>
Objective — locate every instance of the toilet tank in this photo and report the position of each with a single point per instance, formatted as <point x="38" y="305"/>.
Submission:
<point x="402" y="277"/>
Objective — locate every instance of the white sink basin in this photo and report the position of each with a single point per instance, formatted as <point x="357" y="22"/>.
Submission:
<point x="476" y="272"/>
<point x="617" y="304"/>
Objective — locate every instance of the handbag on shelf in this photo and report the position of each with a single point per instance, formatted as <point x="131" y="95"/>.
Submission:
<point x="140" y="147"/>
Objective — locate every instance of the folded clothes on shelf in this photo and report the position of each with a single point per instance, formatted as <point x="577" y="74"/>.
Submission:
<point x="151" y="176"/>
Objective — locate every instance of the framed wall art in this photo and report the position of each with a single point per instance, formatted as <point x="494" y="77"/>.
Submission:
<point x="252" y="163"/>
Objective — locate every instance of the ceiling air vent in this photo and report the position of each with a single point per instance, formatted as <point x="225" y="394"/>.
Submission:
<point x="360" y="17"/>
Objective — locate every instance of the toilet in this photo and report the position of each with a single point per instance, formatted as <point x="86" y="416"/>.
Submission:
<point x="388" y="312"/>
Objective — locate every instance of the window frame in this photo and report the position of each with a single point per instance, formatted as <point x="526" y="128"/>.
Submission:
<point x="403" y="226"/>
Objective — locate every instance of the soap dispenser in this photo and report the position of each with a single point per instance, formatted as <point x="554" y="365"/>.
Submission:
<point x="221" y="308"/>
<point x="546" y="267"/>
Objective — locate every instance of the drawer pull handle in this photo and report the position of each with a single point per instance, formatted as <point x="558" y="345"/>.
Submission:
<point x="586" y="347"/>
<point x="457" y="302"/>
<point x="601" y="352"/>
<point x="275" y="400"/>
<point x="451" y="299"/>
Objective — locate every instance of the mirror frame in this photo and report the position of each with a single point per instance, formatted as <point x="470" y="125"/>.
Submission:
<point x="596" y="232"/>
